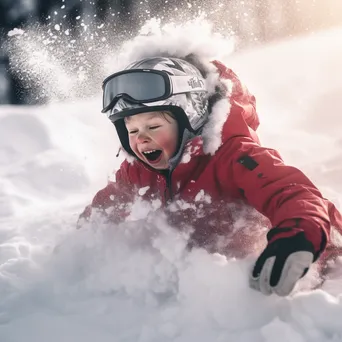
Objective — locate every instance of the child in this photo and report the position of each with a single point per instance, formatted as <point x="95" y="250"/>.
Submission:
<point x="192" y="136"/>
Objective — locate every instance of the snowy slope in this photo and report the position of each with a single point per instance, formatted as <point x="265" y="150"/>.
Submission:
<point x="136" y="282"/>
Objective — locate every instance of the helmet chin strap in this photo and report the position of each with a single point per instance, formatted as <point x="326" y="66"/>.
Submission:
<point x="119" y="150"/>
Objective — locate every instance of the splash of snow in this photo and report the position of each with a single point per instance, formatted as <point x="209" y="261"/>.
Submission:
<point x="15" y="32"/>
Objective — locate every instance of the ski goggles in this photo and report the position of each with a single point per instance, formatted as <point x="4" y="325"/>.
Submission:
<point x="146" y="85"/>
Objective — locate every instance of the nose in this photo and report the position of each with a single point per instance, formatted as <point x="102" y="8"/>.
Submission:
<point x="142" y="138"/>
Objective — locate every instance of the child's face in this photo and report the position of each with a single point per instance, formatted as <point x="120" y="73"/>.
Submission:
<point x="153" y="137"/>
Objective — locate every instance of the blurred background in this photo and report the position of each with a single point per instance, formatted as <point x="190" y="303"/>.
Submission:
<point x="250" y="21"/>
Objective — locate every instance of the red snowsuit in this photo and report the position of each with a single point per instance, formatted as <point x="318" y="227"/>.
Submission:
<point x="221" y="190"/>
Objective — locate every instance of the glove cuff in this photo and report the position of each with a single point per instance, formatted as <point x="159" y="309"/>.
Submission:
<point x="298" y="238"/>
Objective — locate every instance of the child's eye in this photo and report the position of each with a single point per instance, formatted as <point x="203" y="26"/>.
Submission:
<point x="154" y="127"/>
<point x="133" y="132"/>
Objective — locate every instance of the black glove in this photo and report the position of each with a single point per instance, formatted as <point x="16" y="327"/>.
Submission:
<point x="282" y="263"/>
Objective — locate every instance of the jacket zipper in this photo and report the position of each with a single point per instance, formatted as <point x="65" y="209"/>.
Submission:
<point x="168" y="194"/>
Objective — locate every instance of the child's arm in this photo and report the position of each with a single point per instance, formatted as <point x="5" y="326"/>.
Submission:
<point x="280" y="192"/>
<point x="300" y="216"/>
<point x="298" y="212"/>
<point x="111" y="201"/>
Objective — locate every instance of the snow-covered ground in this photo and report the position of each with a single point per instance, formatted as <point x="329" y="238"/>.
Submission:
<point x="136" y="282"/>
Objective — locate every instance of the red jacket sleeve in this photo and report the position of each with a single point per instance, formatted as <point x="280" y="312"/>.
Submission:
<point x="282" y="193"/>
<point x="115" y="196"/>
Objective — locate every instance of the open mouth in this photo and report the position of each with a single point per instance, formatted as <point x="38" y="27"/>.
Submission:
<point x="152" y="155"/>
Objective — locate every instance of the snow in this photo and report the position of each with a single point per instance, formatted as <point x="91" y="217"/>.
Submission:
<point x="143" y="191"/>
<point x="136" y="281"/>
<point x="15" y="31"/>
<point x="195" y="36"/>
<point x="212" y="132"/>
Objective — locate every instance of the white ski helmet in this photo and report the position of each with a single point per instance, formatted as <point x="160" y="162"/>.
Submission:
<point x="156" y="84"/>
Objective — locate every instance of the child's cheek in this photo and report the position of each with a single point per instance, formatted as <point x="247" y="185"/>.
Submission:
<point x="165" y="141"/>
<point x="162" y="139"/>
<point x="132" y="142"/>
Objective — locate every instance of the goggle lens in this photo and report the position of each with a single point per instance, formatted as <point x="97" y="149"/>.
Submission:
<point x="140" y="86"/>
